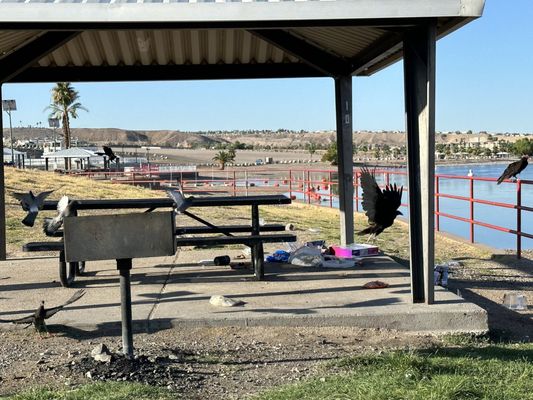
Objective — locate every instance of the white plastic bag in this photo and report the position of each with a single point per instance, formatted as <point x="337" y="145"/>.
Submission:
<point x="306" y="257"/>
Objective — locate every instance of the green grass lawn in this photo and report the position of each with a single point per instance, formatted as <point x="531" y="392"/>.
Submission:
<point x="97" y="391"/>
<point x="490" y="373"/>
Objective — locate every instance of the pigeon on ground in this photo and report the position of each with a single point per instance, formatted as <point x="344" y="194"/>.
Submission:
<point x="109" y="152"/>
<point x="514" y="169"/>
<point x="64" y="209"/>
<point x="32" y="204"/>
<point x="381" y="206"/>
<point x="42" y="313"/>
<point x="182" y="202"/>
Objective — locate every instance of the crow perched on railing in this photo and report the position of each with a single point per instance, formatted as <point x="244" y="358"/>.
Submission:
<point x="514" y="169"/>
<point x="32" y="204"/>
<point x="39" y="316"/>
<point x="381" y="207"/>
<point x="109" y="152"/>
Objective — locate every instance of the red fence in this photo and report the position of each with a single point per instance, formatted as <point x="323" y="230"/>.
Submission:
<point x="319" y="187"/>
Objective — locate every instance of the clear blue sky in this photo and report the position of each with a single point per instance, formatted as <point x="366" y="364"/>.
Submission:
<point x="484" y="82"/>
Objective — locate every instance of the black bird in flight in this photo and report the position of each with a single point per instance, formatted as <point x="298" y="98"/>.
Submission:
<point x="514" y="169"/>
<point x="64" y="209"/>
<point x="381" y="206"/>
<point x="42" y="313"/>
<point x="32" y="204"/>
<point x="109" y="152"/>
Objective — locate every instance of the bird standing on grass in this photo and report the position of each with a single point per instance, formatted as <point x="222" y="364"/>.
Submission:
<point x="381" y="207"/>
<point x="42" y="313"/>
<point x="32" y="204"/>
<point x="64" y="209"/>
<point x="514" y="169"/>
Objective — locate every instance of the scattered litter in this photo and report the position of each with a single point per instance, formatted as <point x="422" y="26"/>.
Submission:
<point x="279" y="256"/>
<point x="375" y="285"/>
<point x="101" y="353"/>
<point x="355" y="250"/>
<point x="306" y="257"/>
<point x="440" y="275"/>
<point x="223" y="301"/>
<point x="316" y="243"/>
<point x="314" y="230"/>
<point x="336" y="262"/>
<point x="290" y="227"/>
<point x="240" y="256"/>
<point x="262" y="222"/>
<point x="240" y="265"/>
<point x="515" y="301"/>
<point x="222" y="260"/>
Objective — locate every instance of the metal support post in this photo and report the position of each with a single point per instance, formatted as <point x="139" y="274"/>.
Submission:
<point x="419" y="78"/>
<point x="343" y="107"/>
<point x="2" y="191"/>
<point x="257" y="248"/>
<point x="124" y="266"/>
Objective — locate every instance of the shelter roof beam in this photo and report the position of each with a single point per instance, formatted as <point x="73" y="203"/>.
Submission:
<point x="26" y="56"/>
<point x="323" y="61"/>
<point x="364" y="63"/>
<point x="165" y="73"/>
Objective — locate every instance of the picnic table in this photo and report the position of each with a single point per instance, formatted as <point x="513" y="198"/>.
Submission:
<point x="251" y="237"/>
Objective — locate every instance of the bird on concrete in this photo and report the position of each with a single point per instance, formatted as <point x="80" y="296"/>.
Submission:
<point x="64" y="209"/>
<point x="109" y="153"/>
<point x="37" y="319"/>
<point x="381" y="207"/>
<point x="32" y="204"/>
<point x="514" y="169"/>
<point x="182" y="202"/>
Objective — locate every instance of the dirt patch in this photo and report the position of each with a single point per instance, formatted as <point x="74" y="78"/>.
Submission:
<point x="196" y="363"/>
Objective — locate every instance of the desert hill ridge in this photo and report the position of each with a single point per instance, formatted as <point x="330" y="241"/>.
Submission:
<point x="276" y="139"/>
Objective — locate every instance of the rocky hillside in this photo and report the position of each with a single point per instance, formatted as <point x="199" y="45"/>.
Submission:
<point x="281" y="139"/>
<point x="116" y="136"/>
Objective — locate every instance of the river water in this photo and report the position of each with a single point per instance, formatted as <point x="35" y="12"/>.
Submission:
<point x="504" y="193"/>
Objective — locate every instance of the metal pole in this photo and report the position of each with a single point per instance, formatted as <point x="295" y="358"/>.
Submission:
<point x="11" y="135"/>
<point x="437" y="201"/>
<point x="290" y="184"/>
<point x="518" y="219"/>
<point x="330" y="190"/>
<point x="2" y="191"/>
<point x="471" y="210"/>
<point x="124" y="265"/>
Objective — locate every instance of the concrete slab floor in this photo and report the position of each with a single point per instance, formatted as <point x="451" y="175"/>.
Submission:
<point x="175" y="291"/>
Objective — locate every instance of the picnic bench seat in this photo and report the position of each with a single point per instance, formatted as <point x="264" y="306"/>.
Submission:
<point x="254" y="239"/>
<point x="69" y="271"/>
<point x="198" y="230"/>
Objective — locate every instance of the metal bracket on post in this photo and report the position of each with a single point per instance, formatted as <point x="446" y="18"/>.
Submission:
<point x="124" y="265"/>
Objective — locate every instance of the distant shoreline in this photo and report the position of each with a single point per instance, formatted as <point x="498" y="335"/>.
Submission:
<point x="398" y="164"/>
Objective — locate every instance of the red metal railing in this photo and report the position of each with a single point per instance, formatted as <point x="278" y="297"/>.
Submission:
<point x="314" y="186"/>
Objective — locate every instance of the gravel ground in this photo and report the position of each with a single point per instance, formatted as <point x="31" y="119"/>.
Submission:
<point x="200" y="363"/>
<point x="231" y="363"/>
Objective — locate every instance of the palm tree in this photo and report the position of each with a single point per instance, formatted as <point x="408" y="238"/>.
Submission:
<point x="311" y="148"/>
<point x="223" y="157"/>
<point x="65" y="105"/>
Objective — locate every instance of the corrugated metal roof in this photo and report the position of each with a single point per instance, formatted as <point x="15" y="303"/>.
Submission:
<point x="73" y="152"/>
<point x="191" y="33"/>
<point x="163" y="47"/>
